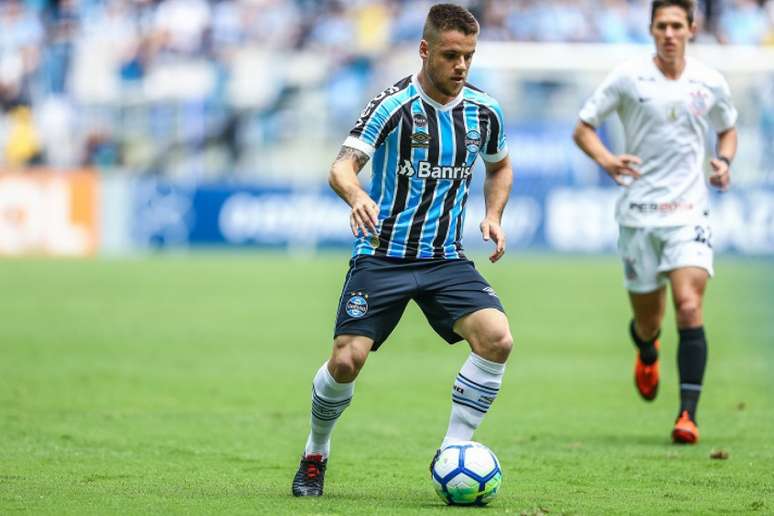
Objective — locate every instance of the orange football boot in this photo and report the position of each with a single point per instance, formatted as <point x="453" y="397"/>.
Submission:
<point x="646" y="377"/>
<point x="685" y="431"/>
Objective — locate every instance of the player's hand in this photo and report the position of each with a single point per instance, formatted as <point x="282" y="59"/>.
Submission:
<point x="720" y="178"/>
<point x="623" y="166"/>
<point x="364" y="216"/>
<point x="492" y="230"/>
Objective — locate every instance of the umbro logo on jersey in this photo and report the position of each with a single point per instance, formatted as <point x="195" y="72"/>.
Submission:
<point x="420" y="140"/>
<point x="426" y="170"/>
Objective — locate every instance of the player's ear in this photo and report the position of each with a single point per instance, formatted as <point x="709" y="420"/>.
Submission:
<point x="424" y="49"/>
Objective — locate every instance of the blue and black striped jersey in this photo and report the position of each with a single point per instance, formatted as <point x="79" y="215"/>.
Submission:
<point x="422" y="160"/>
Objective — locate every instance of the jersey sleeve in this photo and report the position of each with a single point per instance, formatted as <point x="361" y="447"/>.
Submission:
<point x="374" y="124"/>
<point x="723" y="114"/>
<point x="496" y="148"/>
<point x="605" y="99"/>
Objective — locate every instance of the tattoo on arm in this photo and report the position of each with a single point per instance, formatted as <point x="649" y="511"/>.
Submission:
<point x="359" y="157"/>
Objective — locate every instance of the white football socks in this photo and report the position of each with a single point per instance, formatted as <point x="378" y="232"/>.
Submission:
<point x="329" y="399"/>
<point x="473" y="392"/>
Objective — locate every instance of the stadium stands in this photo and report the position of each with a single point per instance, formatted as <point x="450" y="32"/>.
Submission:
<point x="205" y="90"/>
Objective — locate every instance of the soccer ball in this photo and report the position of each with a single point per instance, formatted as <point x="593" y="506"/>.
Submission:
<point x="467" y="473"/>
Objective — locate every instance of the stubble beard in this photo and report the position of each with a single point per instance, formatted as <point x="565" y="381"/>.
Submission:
<point x="447" y="89"/>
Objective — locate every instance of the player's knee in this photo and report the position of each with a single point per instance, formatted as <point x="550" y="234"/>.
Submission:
<point x="504" y="344"/>
<point x="688" y="312"/>
<point x="345" y="367"/>
<point x="648" y="328"/>
<point x="496" y="345"/>
<point x="347" y="359"/>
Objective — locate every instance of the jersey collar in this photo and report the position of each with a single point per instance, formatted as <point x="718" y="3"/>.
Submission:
<point x="438" y="106"/>
<point x="658" y="73"/>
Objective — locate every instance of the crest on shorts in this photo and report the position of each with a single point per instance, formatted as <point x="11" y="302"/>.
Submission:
<point x="357" y="305"/>
<point x="629" y="270"/>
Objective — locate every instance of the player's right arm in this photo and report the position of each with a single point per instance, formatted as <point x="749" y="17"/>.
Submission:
<point x="605" y="100"/>
<point x="616" y="166"/>
<point x="343" y="180"/>
<point x="369" y="132"/>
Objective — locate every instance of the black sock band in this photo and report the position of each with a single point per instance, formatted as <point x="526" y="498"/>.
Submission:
<point x="648" y="351"/>
<point x="691" y="362"/>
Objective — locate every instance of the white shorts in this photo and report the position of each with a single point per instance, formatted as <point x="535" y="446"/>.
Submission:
<point x="648" y="254"/>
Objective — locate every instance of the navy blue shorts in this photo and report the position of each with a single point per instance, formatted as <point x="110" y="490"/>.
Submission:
<point x="377" y="290"/>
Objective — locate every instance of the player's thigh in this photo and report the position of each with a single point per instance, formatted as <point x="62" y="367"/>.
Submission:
<point x="373" y="299"/>
<point x="450" y="292"/>
<point x="687" y="246"/>
<point x="688" y="282"/>
<point x="488" y="333"/>
<point x="640" y="251"/>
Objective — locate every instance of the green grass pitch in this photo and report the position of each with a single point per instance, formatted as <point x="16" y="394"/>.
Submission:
<point x="181" y="384"/>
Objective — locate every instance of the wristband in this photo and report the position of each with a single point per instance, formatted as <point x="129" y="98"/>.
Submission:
<point x="725" y="160"/>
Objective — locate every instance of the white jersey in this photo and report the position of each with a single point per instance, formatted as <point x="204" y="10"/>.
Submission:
<point x="666" y="123"/>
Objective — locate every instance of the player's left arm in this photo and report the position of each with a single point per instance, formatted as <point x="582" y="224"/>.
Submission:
<point x="497" y="188"/>
<point x="723" y="116"/>
<point x="726" y="150"/>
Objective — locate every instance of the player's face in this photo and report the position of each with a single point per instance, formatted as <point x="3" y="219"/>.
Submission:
<point x="671" y="32"/>
<point x="447" y="60"/>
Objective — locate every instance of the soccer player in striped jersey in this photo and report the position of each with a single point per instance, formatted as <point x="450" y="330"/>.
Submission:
<point x="667" y="104"/>
<point x="422" y="136"/>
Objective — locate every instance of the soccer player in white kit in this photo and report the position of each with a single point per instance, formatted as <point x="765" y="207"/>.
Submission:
<point x="667" y="104"/>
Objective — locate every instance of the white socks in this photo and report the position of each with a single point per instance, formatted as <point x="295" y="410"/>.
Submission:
<point x="329" y="399"/>
<point x="473" y="392"/>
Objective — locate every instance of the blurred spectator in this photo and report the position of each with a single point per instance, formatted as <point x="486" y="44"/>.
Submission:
<point x="21" y="35"/>
<point x="613" y="22"/>
<point x="769" y="38"/>
<point x="145" y="84"/>
<point x="743" y="22"/>
<point x="409" y="21"/>
<point x="563" y="20"/>
<point x="372" y="27"/>
<point x="765" y="102"/>
<point x="181" y="24"/>
<point x="22" y="147"/>
<point x="61" y="21"/>
<point x="494" y="22"/>
<point x="100" y="151"/>
<point x="333" y="30"/>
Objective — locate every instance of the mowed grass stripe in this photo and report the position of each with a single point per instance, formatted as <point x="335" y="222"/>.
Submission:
<point x="182" y="384"/>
